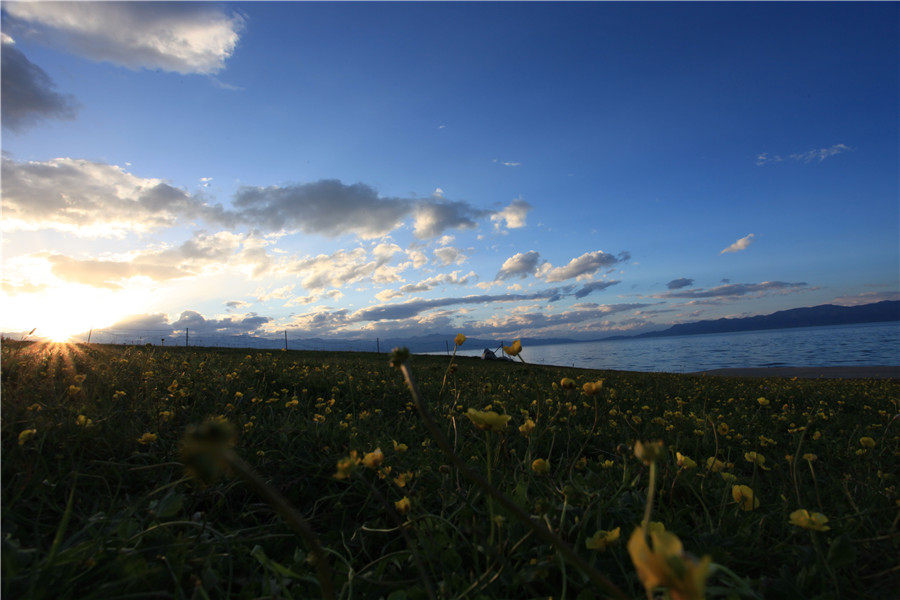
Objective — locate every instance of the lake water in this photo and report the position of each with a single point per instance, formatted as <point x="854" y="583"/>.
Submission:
<point x="837" y="345"/>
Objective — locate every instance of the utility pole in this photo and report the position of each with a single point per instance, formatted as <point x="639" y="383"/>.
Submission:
<point x="89" y="335"/>
<point x="187" y="335"/>
<point x="447" y="346"/>
<point x="378" y="345"/>
<point x="285" y="339"/>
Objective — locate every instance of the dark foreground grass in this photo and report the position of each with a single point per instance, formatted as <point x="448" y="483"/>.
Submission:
<point x="96" y="502"/>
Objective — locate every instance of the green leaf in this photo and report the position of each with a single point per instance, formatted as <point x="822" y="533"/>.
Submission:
<point x="169" y="506"/>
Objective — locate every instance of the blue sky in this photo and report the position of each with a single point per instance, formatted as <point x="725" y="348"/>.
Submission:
<point x="521" y="168"/>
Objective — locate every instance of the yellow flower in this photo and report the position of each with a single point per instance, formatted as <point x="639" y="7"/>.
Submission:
<point x="592" y="387"/>
<point x="715" y="465"/>
<point x="373" y="459"/>
<point x="400" y="447"/>
<point x="403" y="478"/>
<point x="403" y="505"/>
<point x="648" y="452"/>
<point x="459" y="340"/>
<point x="291" y="403"/>
<point x="685" y="462"/>
<point x="346" y="465"/>
<point x="513" y="349"/>
<point x="757" y="459"/>
<point x="607" y="464"/>
<point x="567" y="384"/>
<point x="728" y="477"/>
<point x="810" y="457"/>
<point x="26" y="435"/>
<point x="602" y="539"/>
<point x="667" y="565"/>
<point x="762" y="401"/>
<point x="527" y="427"/>
<point x="807" y="520"/>
<point x="540" y="466"/>
<point x="866" y="442"/>
<point x="489" y="420"/>
<point x="147" y="438"/>
<point x="744" y="496"/>
<point x="83" y="421"/>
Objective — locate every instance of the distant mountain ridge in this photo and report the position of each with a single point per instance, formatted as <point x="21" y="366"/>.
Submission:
<point x="809" y="316"/>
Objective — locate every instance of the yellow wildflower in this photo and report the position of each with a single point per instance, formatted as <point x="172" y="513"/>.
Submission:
<point x="540" y="466"/>
<point x="346" y="465"/>
<point x="602" y="539"/>
<point x="762" y="401"/>
<point x="810" y="457"/>
<point x="403" y="478"/>
<point x="513" y="349"/>
<point x="648" y="452"/>
<point x="592" y="387"/>
<point x="373" y="459"/>
<point x="459" y="340"/>
<point x="744" y="496"/>
<point x="403" y="505"/>
<point x="607" y="464"/>
<point x="866" y="442"/>
<point x="757" y="459"/>
<point x="684" y="462"/>
<point x="26" y="435"/>
<point x="400" y="447"/>
<point x="83" y="421"/>
<point x="667" y="565"/>
<point x="489" y="420"/>
<point x="147" y="438"/>
<point x="527" y="427"/>
<point x="291" y="403"/>
<point x="567" y="383"/>
<point x="807" y="520"/>
<point x="715" y="465"/>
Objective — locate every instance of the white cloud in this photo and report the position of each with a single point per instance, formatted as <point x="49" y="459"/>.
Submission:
<point x="92" y="199"/>
<point x="431" y="219"/>
<point x="180" y="37"/>
<point x="583" y="266"/>
<point x="739" y="245"/>
<point x="419" y="259"/>
<point x="513" y="216"/>
<point x="816" y="154"/>
<point x="511" y="163"/>
<point x="519" y="265"/>
<point x="263" y="295"/>
<point x="449" y="255"/>
<point x="453" y="278"/>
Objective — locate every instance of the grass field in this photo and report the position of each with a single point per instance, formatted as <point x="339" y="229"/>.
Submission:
<point x="96" y="502"/>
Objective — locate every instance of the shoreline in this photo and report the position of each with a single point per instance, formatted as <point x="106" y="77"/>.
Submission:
<point x="841" y="372"/>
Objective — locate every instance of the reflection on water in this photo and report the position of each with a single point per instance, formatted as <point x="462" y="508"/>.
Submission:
<point x="865" y="344"/>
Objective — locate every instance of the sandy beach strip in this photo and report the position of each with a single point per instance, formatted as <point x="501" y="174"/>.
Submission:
<point x="848" y="372"/>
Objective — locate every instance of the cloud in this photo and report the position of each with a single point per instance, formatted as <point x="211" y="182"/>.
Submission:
<point x="449" y="255"/>
<point x="236" y="304"/>
<point x="513" y="216"/>
<point x="866" y="298"/>
<point x="14" y="289"/>
<point x="733" y="289"/>
<point x="327" y="207"/>
<point x="300" y="300"/>
<point x="594" y="286"/>
<point x="431" y="219"/>
<point x="263" y="295"/>
<point x="585" y="317"/>
<point x="739" y="245"/>
<point x="28" y="93"/>
<point x="584" y="265"/>
<point x="190" y="258"/>
<point x="348" y="266"/>
<point x="453" y="278"/>
<point x="418" y="258"/>
<point x="179" y="37"/>
<point x="816" y="154"/>
<point x="682" y="282"/>
<point x="519" y="265"/>
<point x="412" y="308"/>
<point x="93" y="199"/>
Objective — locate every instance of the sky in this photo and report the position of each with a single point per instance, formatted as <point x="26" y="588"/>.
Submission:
<point x="514" y="169"/>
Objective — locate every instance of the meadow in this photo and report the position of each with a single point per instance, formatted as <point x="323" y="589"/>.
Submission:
<point x="148" y="472"/>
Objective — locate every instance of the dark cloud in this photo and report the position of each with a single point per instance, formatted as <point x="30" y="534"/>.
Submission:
<point x="733" y="289"/>
<point x="519" y="265"/>
<point x="405" y="310"/>
<point x="677" y="284"/>
<point x="594" y="286"/>
<point x="327" y="207"/>
<point x="28" y="94"/>
<point x="433" y="218"/>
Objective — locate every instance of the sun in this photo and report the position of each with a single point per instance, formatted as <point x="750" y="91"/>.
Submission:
<point x="62" y="313"/>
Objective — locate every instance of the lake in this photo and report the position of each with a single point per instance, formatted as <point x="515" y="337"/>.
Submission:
<point x="836" y="345"/>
